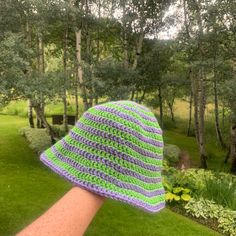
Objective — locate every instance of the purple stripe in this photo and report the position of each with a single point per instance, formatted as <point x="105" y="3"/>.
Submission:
<point x="101" y="191"/>
<point x="121" y="127"/>
<point x="129" y="118"/>
<point x="112" y="151"/>
<point x="146" y="109"/>
<point x="109" y="163"/>
<point x="119" y="140"/>
<point x="106" y="177"/>
<point x="146" y="117"/>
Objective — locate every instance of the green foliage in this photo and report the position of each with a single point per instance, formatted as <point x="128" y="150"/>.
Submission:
<point x="60" y="130"/>
<point x="221" y="189"/>
<point x="16" y="108"/>
<point x="175" y="192"/>
<point x="171" y="153"/>
<point x="227" y="222"/>
<point x="202" y="208"/>
<point x="112" y="80"/>
<point x="14" y="62"/>
<point x="194" y="179"/>
<point x="229" y="89"/>
<point x="38" y="139"/>
<point x="19" y="108"/>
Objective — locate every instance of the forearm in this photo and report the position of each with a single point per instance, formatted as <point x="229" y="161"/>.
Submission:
<point x="69" y="216"/>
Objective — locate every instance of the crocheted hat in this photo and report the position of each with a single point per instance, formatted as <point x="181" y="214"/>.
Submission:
<point x="114" y="150"/>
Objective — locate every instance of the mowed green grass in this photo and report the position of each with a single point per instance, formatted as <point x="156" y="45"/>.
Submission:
<point x="27" y="189"/>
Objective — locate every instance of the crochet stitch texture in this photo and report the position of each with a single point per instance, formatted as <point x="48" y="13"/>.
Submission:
<point x="114" y="150"/>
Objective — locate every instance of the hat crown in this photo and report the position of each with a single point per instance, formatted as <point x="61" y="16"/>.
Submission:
<point x="126" y="123"/>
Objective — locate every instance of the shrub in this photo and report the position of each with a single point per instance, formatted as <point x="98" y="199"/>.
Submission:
<point x="220" y="187"/>
<point x="177" y="194"/>
<point x="171" y="153"/>
<point x="38" y="139"/>
<point x="174" y="192"/>
<point x="60" y="130"/>
<point x="203" y="208"/>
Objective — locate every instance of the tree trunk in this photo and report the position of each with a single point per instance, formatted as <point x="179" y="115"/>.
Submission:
<point x="40" y="114"/>
<point x="194" y="86"/>
<point x="223" y="115"/>
<point x="143" y="96"/>
<point x="132" y="95"/>
<point x="76" y="95"/>
<point x="202" y="103"/>
<point x="41" y="71"/>
<point x="139" y="43"/>
<point x="98" y="30"/>
<point x="79" y="69"/>
<point x="227" y="156"/>
<point x="138" y="49"/>
<point x="125" y="40"/>
<point x="217" y="125"/>
<point x="30" y="114"/>
<point x="233" y="147"/>
<point x="190" y="113"/>
<point x="29" y="73"/>
<point x="90" y="102"/>
<point x="161" y="106"/>
<point x="65" y="77"/>
<point x="171" y="105"/>
<point x="201" y="88"/>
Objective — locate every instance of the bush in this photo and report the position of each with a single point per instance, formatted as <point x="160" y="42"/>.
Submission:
<point x="194" y="179"/>
<point x="38" y="139"/>
<point x="202" y="208"/>
<point x="171" y="153"/>
<point x="219" y="187"/>
<point x="60" y="130"/>
<point x="174" y="191"/>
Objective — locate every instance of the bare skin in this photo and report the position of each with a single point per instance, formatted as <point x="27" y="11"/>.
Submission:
<point x="69" y="216"/>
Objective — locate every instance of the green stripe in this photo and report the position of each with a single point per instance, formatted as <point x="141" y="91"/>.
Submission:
<point x="100" y="182"/>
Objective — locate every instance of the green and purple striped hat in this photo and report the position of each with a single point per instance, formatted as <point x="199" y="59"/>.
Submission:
<point x="114" y="150"/>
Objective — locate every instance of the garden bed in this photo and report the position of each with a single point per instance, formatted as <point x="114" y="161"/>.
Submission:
<point x="204" y="196"/>
<point x="210" y="223"/>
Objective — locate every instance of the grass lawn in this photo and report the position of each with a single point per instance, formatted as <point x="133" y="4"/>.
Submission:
<point x="27" y="189"/>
